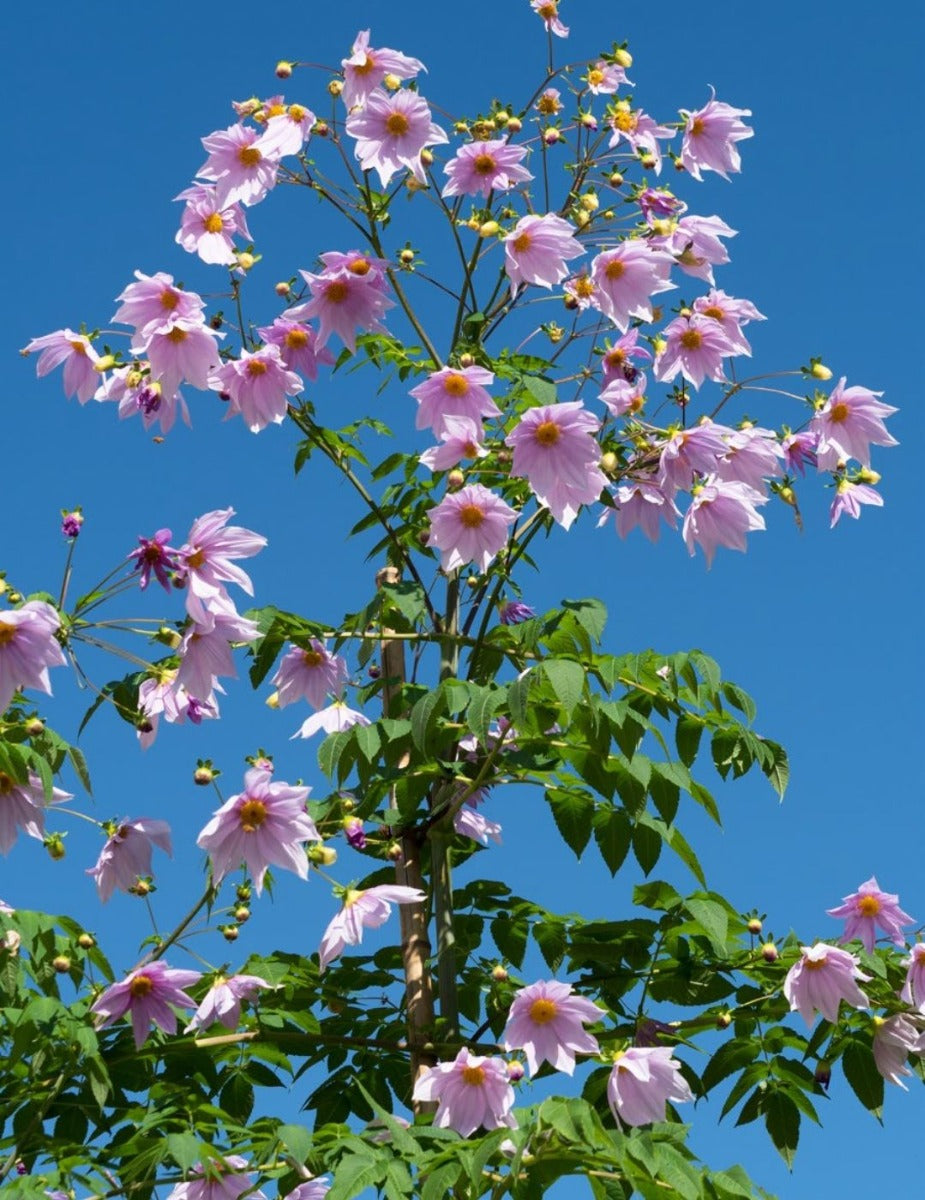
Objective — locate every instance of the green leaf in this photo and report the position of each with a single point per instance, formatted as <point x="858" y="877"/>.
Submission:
<point x="568" y="680"/>
<point x="184" y="1148"/>
<point x="368" y="741"/>
<point x="573" y="812"/>
<point x="687" y="735"/>
<point x="551" y="938"/>
<point x="354" y="1173"/>
<point x="613" y="834"/>
<point x="782" y="1118"/>
<point x="79" y="763"/>
<point x="647" y="846"/>
<point x="481" y="708"/>
<point x="424" y="717"/>
<point x="543" y="391"/>
<point x="861" y="1072"/>
<point x="297" y="1140"/>
<point x="713" y="919"/>
<point x="778" y="770"/>
<point x="440" y="1182"/>
<point x="510" y="936"/>
<point x="590" y="614"/>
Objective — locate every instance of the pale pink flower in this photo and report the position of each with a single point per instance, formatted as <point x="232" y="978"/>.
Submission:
<point x="207" y="228"/>
<point x="287" y="132"/>
<point x="710" y="137"/>
<point x="731" y="314"/>
<point x="146" y="994"/>
<point x="617" y="360"/>
<point x="549" y="11"/>
<point x="470" y="525"/>
<point x="334" y="719"/>
<point x="471" y="1091"/>
<point x="546" y="1022"/>
<point x="894" y="1040"/>
<point x="604" y="78"/>
<point x="868" y="908"/>
<point x="311" y="674"/>
<point x="223" y="1001"/>
<point x="348" y="294"/>
<point x="821" y="979"/>
<point x="642" y="1081"/>
<point x="753" y="455"/>
<point x="467" y="820"/>
<point x="367" y="67"/>
<point x="205" y="651"/>
<point x="640" y="130"/>
<point x="454" y="392"/>
<point x="622" y="397"/>
<point x="850" y="421"/>
<point x="161" y="696"/>
<point x="139" y="394"/>
<point x="695" y="347"/>
<point x="460" y="439"/>
<point x="225" y="1181"/>
<point x="658" y="203"/>
<point x="642" y="504"/>
<point x="626" y="278"/>
<point x="721" y="513"/>
<point x="848" y="500"/>
<point x="28" y="647"/>
<point x="183" y="349"/>
<point x="555" y="448"/>
<point x="81" y="378"/>
<point x="153" y="303"/>
<point x="259" y="386"/>
<point x="208" y="557"/>
<point x="690" y="451"/>
<point x="482" y="167"/>
<point x="537" y="250"/>
<point x="580" y="288"/>
<point x="367" y="909"/>
<point x="127" y="854"/>
<point x="315" y="1189"/>
<point x="913" y="992"/>
<point x="695" y="243"/>
<point x="799" y="449"/>
<point x="22" y="806"/>
<point x="264" y="825"/>
<point x="240" y="164"/>
<point x="297" y="346"/>
<point x="391" y="131"/>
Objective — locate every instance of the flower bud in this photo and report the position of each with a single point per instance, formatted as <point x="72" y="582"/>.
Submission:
<point x="348" y="804"/>
<point x="866" y="475"/>
<point x="61" y="963"/>
<point x="104" y="363"/>
<point x="582" y="218"/>
<point x="54" y="844"/>
<point x="502" y="117"/>
<point x="488" y="229"/>
<point x="616" y="179"/>
<point x="374" y="671"/>
<point x="394" y="852"/>
<point x="657" y="312"/>
<point x="466" y="360"/>
<point x="608" y="214"/>
<point x="229" y="932"/>
<point x="589" y="202"/>
<point x="321" y="129"/>
<point x="335" y="87"/>
<point x="609" y="462"/>
<point x="86" y="941"/>
<point x="141" y="887"/>
<point x="203" y="776"/>
<point x="243" y="892"/>
<point x="272" y="701"/>
<point x="460" y="127"/>
<point x="551" y="135"/>
<point x="245" y="260"/>
<point x="11" y="941"/>
<point x="820" y="371"/>
<point x="168" y="637"/>
<point x="283" y="69"/>
<point x="35" y="727"/>
<point x="427" y="157"/>
<point x="242" y="914"/>
<point x="515" y="1071"/>
<point x="392" y="82"/>
<point x="455" y="479"/>
<point x="499" y="974"/>
<point x="472" y="581"/>
<point x="570" y="302"/>
<point x="823" y="1074"/>
<point x="769" y="952"/>
<point x="754" y="926"/>
<point x="406" y="256"/>
<point x="724" y="1020"/>
<point x="649" y="161"/>
<point x="282" y="288"/>
<point x="514" y="125"/>
<point x="321" y="855"/>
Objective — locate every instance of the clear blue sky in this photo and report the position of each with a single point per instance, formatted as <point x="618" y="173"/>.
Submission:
<point x="824" y="629"/>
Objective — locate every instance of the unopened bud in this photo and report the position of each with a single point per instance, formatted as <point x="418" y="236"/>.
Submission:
<point x="866" y="475"/>
<point x="570" y="302"/>
<point x="321" y="129"/>
<point x="551" y="136"/>
<point x="141" y="887"/>
<point x="659" y="345"/>
<point x="283" y="69"/>
<point x="820" y="371"/>
<point x="86" y="941"/>
<point x="321" y="855"/>
<point x="245" y="260"/>
<point x="392" y="82"/>
<point x="394" y="852"/>
<point x="54" y="844"/>
<point x="336" y="86"/>
<point x="488" y="229"/>
<point x="724" y="1020"/>
<point x="61" y="963"/>
<point x="460" y="127"/>
<point x="499" y="974"/>
<point x="823" y="1074"/>
<point x="502" y="117"/>
<point x="609" y="462"/>
<point x="455" y="479"/>
<point x="35" y="727"/>
<point x="406" y="256"/>
<point x="514" y="125"/>
<point x="608" y="214"/>
<point x="104" y="363"/>
<point x="203" y="776"/>
<point x="423" y="537"/>
<point x="515" y="1071"/>
<point x="242" y="914"/>
<point x="589" y="202"/>
<point x="616" y="179"/>
<point x="769" y="952"/>
<point x="657" y="311"/>
<point x="243" y="892"/>
<point x="282" y="288"/>
<point x="623" y="58"/>
<point x="427" y="158"/>
<point x="168" y="637"/>
<point x="229" y="932"/>
<point x="788" y="495"/>
<point x="754" y="926"/>
<point x="581" y="218"/>
<point x="348" y="804"/>
<point x="272" y="701"/>
<point x="466" y="360"/>
<point x="472" y="581"/>
<point x="649" y="161"/>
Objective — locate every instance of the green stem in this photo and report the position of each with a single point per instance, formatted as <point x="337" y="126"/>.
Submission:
<point x="162" y="947"/>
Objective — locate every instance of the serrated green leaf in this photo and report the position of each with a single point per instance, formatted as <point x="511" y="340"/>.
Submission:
<point x="687" y="735"/>
<point x="567" y="678"/>
<point x="573" y="812"/>
<point x="782" y="1118"/>
<point x="713" y="920"/>
<point x="613" y="834"/>
<point x="862" y="1074"/>
<point x="297" y="1140"/>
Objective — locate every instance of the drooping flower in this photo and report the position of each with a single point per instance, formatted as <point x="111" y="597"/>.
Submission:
<point x="287" y="130"/>
<point x="154" y="555"/>
<point x="81" y="378"/>
<point x="604" y="78"/>
<point x="483" y="167"/>
<point x="28" y="647"/>
<point x="721" y="513"/>
<point x="367" y="909"/>
<point x="913" y="992"/>
<point x="821" y="979"/>
<point x="146" y="994"/>
<point x="349" y="294"/>
<point x="848" y="424"/>
<point x="391" y="131"/>
<point x="22" y="806"/>
<point x="643" y="1080"/>
<point x="264" y="825"/>
<point x="799" y="449"/>
<point x="208" y="228"/>
<point x="894" y="1040"/>
<point x="367" y="67"/>
<point x="658" y="203"/>
<point x="205" y="651"/>
<point x="459" y="439"/>
<point x="298" y="346"/>
<point x="240" y="164"/>
<point x="691" y="450"/>
<point x="470" y="525"/>
<point x="138" y="393"/>
<point x="696" y="246"/>
<point x="710" y="136"/>
<point x="753" y="455"/>
<point x="153" y="303"/>
<point x="471" y="1091"/>
<point x="549" y="11"/>
<point x="626" y="278"/>
<point x="695" y="347"/>
<point x="207" y="557"/>
<point x="314" y="1189"/>
<point x="160" y="696"/>
<point x="454" y="392"/>
<point x="546" y="1022"/>
<point x="127" y="854"/>
<point x="333" y="719"/>
<point x="259" y="386"/>
<point x="312" y="674"/>
<point x="183" y="349"/>
<point x="555" y="449"/>
<point x="622" y="397"/>
<point x="849" y="497"/>
<point x="537" y="250"/>
<point x="225" y="1181"/>
<point x="470" y="823"/>
<point x="642" y="504"/>
<point x="868" y="908"/>
<point x="640" y="130"/>
<point x="223" y="1001"/>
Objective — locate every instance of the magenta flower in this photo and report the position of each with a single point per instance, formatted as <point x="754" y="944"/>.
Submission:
<point x="348" y="294"/>
<point x="367" y="67"/>
<point x="515" y="613"/>
<point x="823" y="977"/>
<point x="146" y="994"/>
<point x="354" y="833"/>
<point x="81" y="378"/>
<point x="626" y="278"/>
<point x="913" y="992"/>
<point x="470" y="525"/>
<point x="721" y="513"/>
<point x="28" y="647"/>
<point x="868" y="908"/>
<point x="334" y="719"/>
<point x="460" y="438"/>
<point x="259" y="386"/>
<point x="154" y="555"/>
<point x="297" y="346"/>
<point x="549" y="11"/>
<point x="223" y="1001"/>
<point x="207" y="228"/>
<point x="471" y="1091"/>
<point x="208" y="557"/>
<point x="72" y="523"/>
<point x="546" y="1021"/>
<point x="263" y="825"/>
<point x="127" y="854"/>
<point x="640" y="131"/>
<point x="153" y="303"/>
<point x="894" y="1040"/>
<point x="362" y="910"/>
<point x="311" y="675"/>
<point x="848" y="424"/>
<point x="537" y="250"/>
<point x="454" y="392"/>
<point x="799" y="449"/>
<point x="555" y="449"/>
<point x="183" y="349"/>
<point x="695" y="347"/>
<point x="225" y="1181"/>
<point x="391" y="132"/>
<point x="22" y="806"/>
<point x="710" y="137"/>
<point x="658" y="203"/>
<point x="240" y="164"/>
<point x="642" y="504"/>
<point x="483" y="167"/>
<point x="848" y="500"/>
<point x="643" y="1080"/>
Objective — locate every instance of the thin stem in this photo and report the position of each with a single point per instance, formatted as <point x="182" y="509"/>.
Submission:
<point x="66" y="578"/>
<point x="162" y="947"/>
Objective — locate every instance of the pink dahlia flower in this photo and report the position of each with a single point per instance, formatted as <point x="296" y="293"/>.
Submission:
<point x="28" y="647"/>
<point x="155" y="556"/>
<point x="640" y="130"/>
<point x="81" y="379"/>
<point x="823" y="977"/>
<point x="205" y="651"/>
<point x="799" y="449"/>
<point x="454" y="392"/>
<point x="643" y="1080"/>
<point x="183" y="349"/>
<point x="22" y="806"/>
<point x="263" y="825"/>
<point x="225" y="1181"/>
<point x="460" y="439"/>
<point x="162" y="697"/>
<point x="207" y="228"/>
<point x="482" y="167"/>
<point x="555" y="448"/>
<point x="349" y="294"/>
<point x="894" y="1040"/>
<point x="470" y="525"/>
<point x="913" y="992"/>
<point x="850" y="421"/>
<point x="240" y="164"/>
<point x="696" y="246"/>
<point x="549" y="11"/>
<point x="259" y="386"/>
<point x="288" y="130"/>
<point x="695" y="347"/>
<point x="138" y="394"/>
<point x="537" y="250"/>
<point x="731" y="314"/>
<point x="658" y="203"/>
<point x="710" y="137"/>
<point x="366" y="909"/>
<point x="471" y="1091"/>
<point x="546" y="1022"/>
<point x="721" y="513"/>
<point x="617" y="360"/>
<point x="146" y="994"/>
<point x="848" y="500"/>
<point x="626" y="278"/>
<point x="604" y="78"/>
<point x="127" y="854"/>
<point x="868" y="908"/>
<point x="312" y="674"/>
<point x="153" y="303"/>
<point x="297" y="346"/>
<point x="690" y="451"/>
<point x="367" y="67"/>
<point x="391" y="131"/>
<point x="223" y="1001"/>
<point x="753" y="455"/>
<point x="208" y="557"/>
<point x="622" y="397"/>
<point x="642" y="504"/>
<point x="469" y="822"/>
<point x="334" y="719"/>
<point x="315" y="1189"/>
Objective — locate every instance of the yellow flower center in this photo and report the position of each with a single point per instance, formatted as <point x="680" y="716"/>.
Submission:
<point x="543" y="1011"/>
<point x="474" y="1076"/>
<point x="169" y="299"/>
<point x="359" y="266"/>
<point x="276" y="110"/>
<point x="839" y="411"/>
<point x="6" y="783"/>
<point x="547" y="433"/>
<point x="78" y="347"/>
<point x="337" y="291"/>
<point x="522" y="242"/>
<point x="595" y="77"/>
<point x="256" y="366"/>
<point x="815" y="964"/>
<point x="7" y="632"/>
<point x="697" y="127"/>
<point x="252" y="813"/>
<point x="691" y="339"/>
<point x="397" y="124"/>
<point x="249" y="156"/>
<point x="625" y="120"/>
<point x="365" y="67"/>
<point x="456" y="385"/>
<point x="471" y="516"/>
<point x="615" y="357"/>
<point x="196" y="559"/>
<point x="141" y="985"/>
<point x="615" y="269"/>
<point x="213" y="223"/>
<point x="714" y="311"/>
<point x="548" y="105"/>
<point x="295" y="339"/>
<point x="297" y="113"/>
<point x="868" y="906"/>
<point x="584" y="286"/>
<point x="177" y="335"/>
<point x="547" y="11"/>
<point x="312" y="658"/>
<point x="483" y="164"/>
